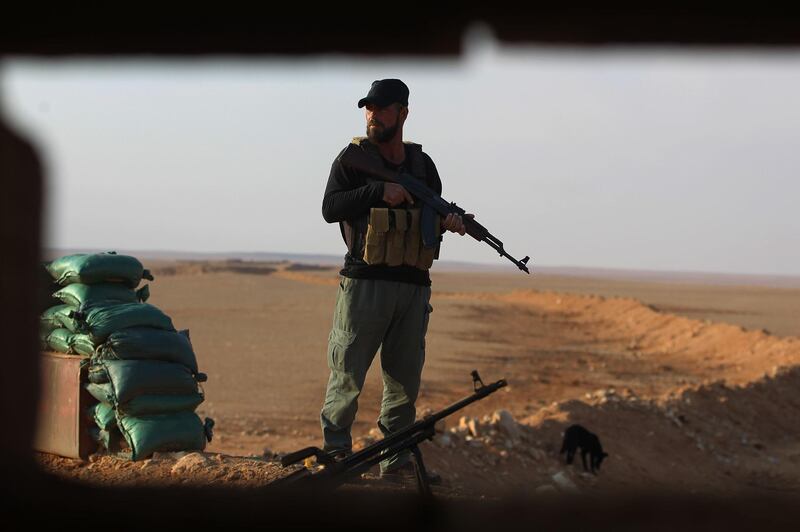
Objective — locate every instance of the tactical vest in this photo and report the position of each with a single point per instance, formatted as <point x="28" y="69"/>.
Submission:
<point x="392" y="236"/>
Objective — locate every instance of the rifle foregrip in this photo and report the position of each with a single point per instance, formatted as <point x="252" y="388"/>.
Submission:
<point x="296" y="456"/>
<point x="474" y="229"/>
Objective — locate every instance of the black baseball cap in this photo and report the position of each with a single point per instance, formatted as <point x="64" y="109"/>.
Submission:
<point x="384" y="92"/>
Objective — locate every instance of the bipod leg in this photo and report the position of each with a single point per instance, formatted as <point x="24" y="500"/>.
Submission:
<point x="422" y="474"/>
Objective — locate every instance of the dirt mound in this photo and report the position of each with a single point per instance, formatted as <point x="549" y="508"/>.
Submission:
<point x="629" y="343"/>
<point x="712" y="439"/>
<point x="715" y="437"/>
<point x="724" y="351"/>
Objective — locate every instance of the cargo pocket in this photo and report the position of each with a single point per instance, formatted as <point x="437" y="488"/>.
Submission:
<point x="339" y="343"/>
<point x="396" y="238"/>
<point x="375" y="246"/>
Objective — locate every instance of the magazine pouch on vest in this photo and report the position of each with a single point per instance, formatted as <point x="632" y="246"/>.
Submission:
<point x="396" y="238"/>
<point x="375" y="245"/>
<point x="427" y="253"/>
<point x="413" y="240"/>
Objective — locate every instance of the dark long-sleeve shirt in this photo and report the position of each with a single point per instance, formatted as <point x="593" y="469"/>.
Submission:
<point x="350" y="195"/>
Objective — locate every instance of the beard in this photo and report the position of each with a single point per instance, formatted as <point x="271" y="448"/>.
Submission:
<point x="381" y="134"/>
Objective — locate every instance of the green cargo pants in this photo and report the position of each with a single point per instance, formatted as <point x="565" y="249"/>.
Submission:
<point x="371" y="314"/>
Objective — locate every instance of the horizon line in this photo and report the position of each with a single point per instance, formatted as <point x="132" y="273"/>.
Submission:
<point x="455" y="265"/>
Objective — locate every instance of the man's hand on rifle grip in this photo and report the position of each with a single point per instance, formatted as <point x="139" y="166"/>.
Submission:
<point x="394" y="195"/>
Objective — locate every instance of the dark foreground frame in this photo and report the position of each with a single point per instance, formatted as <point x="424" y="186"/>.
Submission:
<point x="32" y="498"/>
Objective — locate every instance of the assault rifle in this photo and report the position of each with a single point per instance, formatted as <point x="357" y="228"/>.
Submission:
<point x="336" y="471"/>
<point x="433" y="204"/>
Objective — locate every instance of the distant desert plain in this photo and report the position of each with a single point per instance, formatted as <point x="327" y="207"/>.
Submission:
<point x="690" y="384"/>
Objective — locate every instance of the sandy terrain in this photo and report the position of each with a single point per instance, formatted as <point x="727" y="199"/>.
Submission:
<point x="689" y="386"/>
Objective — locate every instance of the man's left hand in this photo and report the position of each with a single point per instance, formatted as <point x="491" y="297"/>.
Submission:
<point x="454" y="223"/>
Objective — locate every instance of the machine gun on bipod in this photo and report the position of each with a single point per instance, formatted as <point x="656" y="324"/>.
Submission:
<point x="335" y="471"/>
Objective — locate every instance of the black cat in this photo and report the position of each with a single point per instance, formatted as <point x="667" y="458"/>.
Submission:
<point x="577" y="436"/>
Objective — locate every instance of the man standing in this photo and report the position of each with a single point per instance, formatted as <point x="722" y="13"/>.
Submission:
<point x="383" y="300"/>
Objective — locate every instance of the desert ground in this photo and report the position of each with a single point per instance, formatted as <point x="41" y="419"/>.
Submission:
<point x="691" y="387"/>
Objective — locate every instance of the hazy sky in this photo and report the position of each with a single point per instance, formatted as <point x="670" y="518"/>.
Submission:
<point x="662" y="158"/>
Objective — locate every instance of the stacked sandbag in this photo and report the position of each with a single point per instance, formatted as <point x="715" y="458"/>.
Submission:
<point x="141" y="370"/>
<point x="84" y="281"/>
<point x="153" y="405"/>
<point x="98" y="268"/>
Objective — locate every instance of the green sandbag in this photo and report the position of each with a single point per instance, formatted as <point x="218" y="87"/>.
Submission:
<point x="82" y="344"/>
<point x="98" y="268"/>
<point x="99" y="321"/>
<point x="102" y="392"/>
<point x="132" y="378"/>
<point x="146" y="343"/>
<point x="65" y="341"/>
<point x="54" y="318"/>
<point x="60" y="340"/>
<point x="98" y="375"/>
<point x="181" y="431"/>
<point x="145" y="405"/>
<point x="103" y="415"/>
<point x="78" y="294"/>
